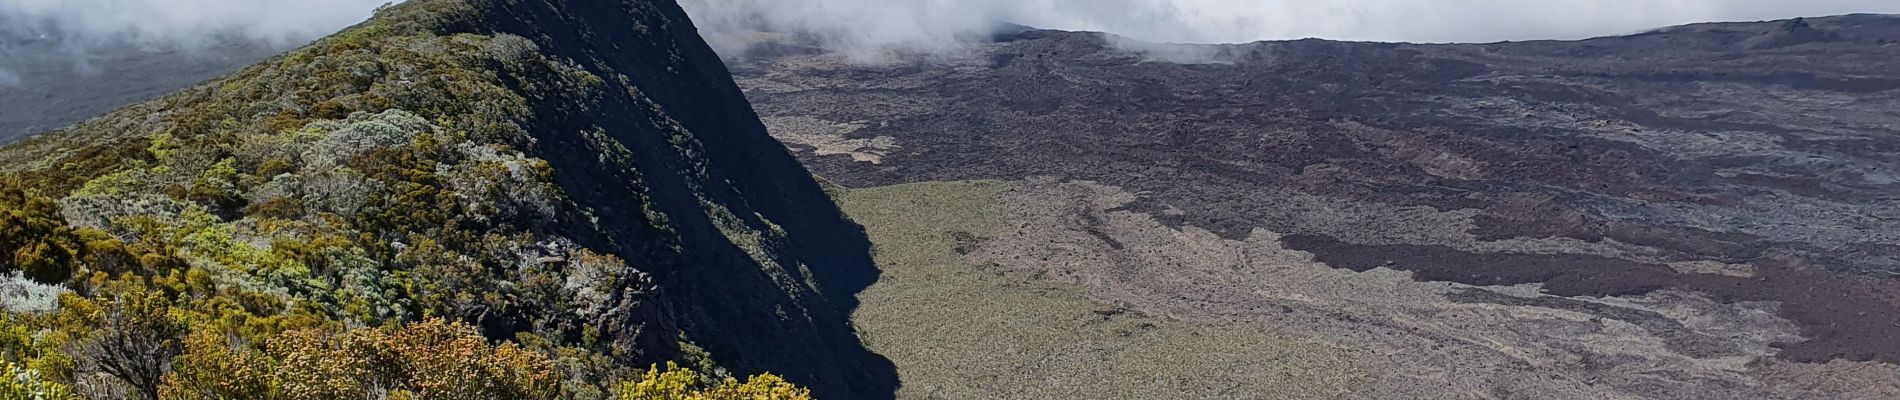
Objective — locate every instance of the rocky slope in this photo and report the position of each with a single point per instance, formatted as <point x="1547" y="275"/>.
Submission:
<point x="1698" y="211"/>
<point x="583" y="173"/>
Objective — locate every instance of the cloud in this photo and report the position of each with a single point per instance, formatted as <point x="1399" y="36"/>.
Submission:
<point x="180" y="22"/>
<point x="50" y="35"/>
<point x="867" y="29"/>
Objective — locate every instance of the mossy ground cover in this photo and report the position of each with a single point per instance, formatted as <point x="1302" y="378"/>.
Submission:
<point x="960" y="330"/>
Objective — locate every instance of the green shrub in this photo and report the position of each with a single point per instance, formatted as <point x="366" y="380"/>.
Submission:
<point x="33" y="238"/>
<point x="20" y="383"/>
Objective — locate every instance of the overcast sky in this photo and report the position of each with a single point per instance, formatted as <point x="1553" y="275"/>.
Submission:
<point x="867" y="25"/>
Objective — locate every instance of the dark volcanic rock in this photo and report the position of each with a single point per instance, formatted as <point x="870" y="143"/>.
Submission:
<point x="1770" y="145"/>
<point x="1794" y="32"/>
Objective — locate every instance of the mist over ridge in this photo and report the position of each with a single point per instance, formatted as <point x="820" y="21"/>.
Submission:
<point x="867" y="28"/>
<point x="870" y="29"/>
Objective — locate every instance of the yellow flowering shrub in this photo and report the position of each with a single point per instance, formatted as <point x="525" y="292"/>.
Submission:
<point x="211" y="368"/>
<point x="685" y="384"/>
<point x="432" y="359"/>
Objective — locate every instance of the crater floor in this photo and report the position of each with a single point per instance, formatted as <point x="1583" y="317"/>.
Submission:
<point x="1706" y="211"/>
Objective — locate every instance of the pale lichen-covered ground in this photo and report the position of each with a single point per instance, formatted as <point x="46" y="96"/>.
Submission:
<point x="830" y="138"/>
<point x="1052" y="289"/>
<point x="959" y="328"/>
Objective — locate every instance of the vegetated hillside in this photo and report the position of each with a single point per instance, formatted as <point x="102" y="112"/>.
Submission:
<point x="578" y="180"/>
<point x="1706" y="211"/>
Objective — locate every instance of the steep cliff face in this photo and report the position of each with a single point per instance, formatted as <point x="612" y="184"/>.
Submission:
<point x="585" y="172"/>
<point x="756" y="246"/>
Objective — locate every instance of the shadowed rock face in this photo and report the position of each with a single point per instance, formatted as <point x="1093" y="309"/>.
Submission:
<point x="764" y="268"/>
<point x="1747" y="162"/>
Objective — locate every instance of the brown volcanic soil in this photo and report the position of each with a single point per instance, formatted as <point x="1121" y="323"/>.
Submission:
<point x="1595" y="168"/>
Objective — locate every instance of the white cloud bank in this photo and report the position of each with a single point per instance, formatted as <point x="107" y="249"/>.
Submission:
<point x="874" y="26"/>
<point x="868" y="27"/>
<point x="181" y="22"/>
<point x="72" y="31"/>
